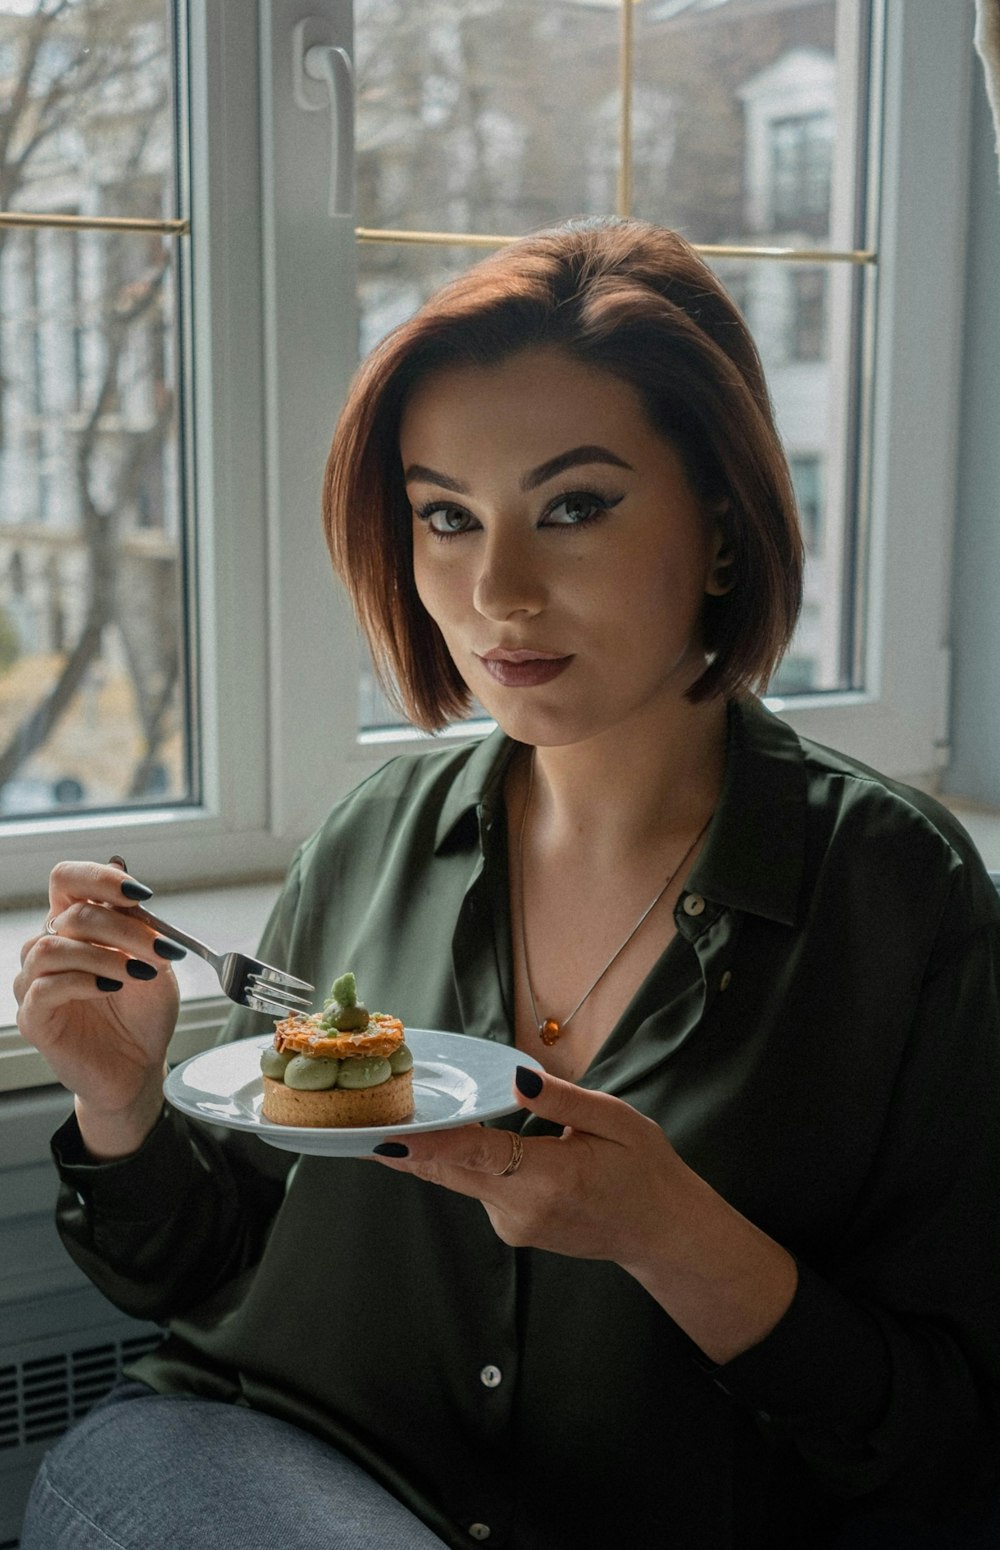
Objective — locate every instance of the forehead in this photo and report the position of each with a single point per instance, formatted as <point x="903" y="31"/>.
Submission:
<point x="537" y="397"/>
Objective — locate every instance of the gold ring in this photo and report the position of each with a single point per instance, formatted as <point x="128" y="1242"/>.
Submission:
<point x="516" y="1156"/>
<point x="50" y="929"/>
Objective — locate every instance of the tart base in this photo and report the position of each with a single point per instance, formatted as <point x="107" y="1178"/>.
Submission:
<point x="340" y="1107"/>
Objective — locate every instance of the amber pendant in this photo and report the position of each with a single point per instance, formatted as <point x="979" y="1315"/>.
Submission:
<point x="549" y="1031"/>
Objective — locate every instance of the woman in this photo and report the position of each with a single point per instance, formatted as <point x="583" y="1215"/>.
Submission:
<point x="734" y="1283"/>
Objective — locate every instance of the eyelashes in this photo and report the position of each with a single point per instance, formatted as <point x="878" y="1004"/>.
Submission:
<point x="590" y="507"/>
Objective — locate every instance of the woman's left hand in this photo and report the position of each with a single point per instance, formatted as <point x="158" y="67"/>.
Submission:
<point x="596" y="1191"/>
<point x="612" y="1187"/>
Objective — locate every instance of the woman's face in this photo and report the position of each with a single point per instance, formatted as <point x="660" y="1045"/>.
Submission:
<point x="557" y="545"/>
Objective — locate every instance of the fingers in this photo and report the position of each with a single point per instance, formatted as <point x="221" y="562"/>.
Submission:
<point x="77" y="966"/>
<point x="39" y="997"/>
<point x="107" y="927"/>
<point x="73" y="881"/>
<point x="471" y="1147"/>
<point x="94" y="903"/>
<point x="482" y="1151"/>
<point x="577" y="1108"/>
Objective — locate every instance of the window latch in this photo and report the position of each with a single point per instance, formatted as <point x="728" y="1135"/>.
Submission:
<point x="324" y="79"/>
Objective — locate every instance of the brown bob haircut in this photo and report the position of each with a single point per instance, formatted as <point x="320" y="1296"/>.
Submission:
<point x="638" y="302"/>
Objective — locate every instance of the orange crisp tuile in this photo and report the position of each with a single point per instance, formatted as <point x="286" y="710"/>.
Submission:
<point x="305" y="1036"/>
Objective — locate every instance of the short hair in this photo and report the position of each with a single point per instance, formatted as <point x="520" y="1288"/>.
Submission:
<point x="634" y="300"/>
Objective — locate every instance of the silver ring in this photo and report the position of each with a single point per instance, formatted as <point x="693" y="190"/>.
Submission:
<point x="516" y="1156"/>
<point x="50" y="929"/>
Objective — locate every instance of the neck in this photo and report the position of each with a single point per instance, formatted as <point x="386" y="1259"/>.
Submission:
<point x="621" y="796"/>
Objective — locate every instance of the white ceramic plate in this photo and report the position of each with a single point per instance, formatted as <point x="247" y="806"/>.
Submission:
<point x="456" y="1081"/>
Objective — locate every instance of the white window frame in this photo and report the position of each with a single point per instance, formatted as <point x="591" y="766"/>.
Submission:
<point x="273" y="309"/>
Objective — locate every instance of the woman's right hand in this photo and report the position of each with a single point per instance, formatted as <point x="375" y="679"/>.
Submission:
<point x="99" y="1002"/>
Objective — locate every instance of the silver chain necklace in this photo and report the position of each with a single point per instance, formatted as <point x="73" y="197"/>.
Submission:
<point x="550" y="1029"/>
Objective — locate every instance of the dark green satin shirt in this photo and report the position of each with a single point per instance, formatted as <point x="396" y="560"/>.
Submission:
<point x="821" y="1041"/>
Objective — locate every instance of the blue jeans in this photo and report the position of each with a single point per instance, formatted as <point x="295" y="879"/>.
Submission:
<point x="178" y="1473"/>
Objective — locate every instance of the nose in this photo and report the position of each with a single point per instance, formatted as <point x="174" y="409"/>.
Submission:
<point x="510" y="581"/>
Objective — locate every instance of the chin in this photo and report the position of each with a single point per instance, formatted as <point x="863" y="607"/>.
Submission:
<point x="549" y="726"/>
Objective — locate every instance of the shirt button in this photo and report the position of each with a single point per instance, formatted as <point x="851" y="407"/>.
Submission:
<point x="492" y="1377"/>
<point x="694" y="904"/>
<point x="726" y="980"/>
<point x="479" y="1530"/>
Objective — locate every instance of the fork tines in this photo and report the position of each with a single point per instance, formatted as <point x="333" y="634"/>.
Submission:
<point x="268" y="993"/>
<point x="264" y="974"/>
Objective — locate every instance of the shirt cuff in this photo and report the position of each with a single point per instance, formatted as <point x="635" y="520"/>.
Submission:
<point x="825" y="1363"/>
<point x="129" y="1189"/>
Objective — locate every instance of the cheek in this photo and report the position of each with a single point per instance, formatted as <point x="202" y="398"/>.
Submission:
<point x="438" y="586"/>
<point x="657" y="602"/>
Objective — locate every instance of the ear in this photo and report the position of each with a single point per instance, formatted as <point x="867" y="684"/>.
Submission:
<point x="720" y="573"/>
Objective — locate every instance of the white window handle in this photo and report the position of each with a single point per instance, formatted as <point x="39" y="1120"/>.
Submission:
<point x="324" y="78"/>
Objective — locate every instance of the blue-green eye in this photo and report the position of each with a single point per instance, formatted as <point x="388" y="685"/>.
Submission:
<point x="445" y="520"/>
<point x="578" y="508"/>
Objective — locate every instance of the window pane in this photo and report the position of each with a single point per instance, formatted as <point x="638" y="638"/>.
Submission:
<point x="93" y="666"/>
<point x="735" y="107"/>
<point x="747" y="96"/>
<point x="491" y="116"/>
<point x="801" y="319"/>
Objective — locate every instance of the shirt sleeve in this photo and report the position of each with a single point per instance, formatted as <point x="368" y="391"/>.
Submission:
<point x="885" y="1371"/>
<point x="159" y="1231"/>
<point x="121" y="1223"/>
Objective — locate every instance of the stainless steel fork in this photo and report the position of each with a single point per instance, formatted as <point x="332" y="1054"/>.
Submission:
<point x="245" y="980"/>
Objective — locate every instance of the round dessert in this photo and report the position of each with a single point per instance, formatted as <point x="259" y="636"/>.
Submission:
<point x="340" y="1067"/>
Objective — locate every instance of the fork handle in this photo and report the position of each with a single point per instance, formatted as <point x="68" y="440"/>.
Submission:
<point x="175" y="934"/>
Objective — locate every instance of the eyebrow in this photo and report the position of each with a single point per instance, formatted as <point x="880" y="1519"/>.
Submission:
<point x="419" y="473"/>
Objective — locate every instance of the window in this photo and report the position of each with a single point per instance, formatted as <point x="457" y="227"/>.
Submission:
<point x="807" y="478"/>
<point x="801" y="169"/>
<point x="807" y="324"/>
<point x="239" y="324"/>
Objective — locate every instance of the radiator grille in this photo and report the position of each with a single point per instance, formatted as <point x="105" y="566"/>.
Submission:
<point x="41" y="1397"/>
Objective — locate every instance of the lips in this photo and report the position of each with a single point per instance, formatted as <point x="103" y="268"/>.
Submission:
<point x="523" y="669"/>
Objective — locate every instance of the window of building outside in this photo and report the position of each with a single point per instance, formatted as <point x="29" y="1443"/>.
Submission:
<point x="184" y="292"/>
<point x="801" y="167"/>
<point x="807" y="475"/>
<point x="807" y="324"/>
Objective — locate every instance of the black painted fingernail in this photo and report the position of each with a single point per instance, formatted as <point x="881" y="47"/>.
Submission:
<point x="117" y="861"/>
<point x="391" y="1149"/>
<point x="140" y="970"/>
<point x="165" y="949"/>
<point x="527" y="1081"/>
<point x="137" y="891"/>
<point x="104" y="983"/>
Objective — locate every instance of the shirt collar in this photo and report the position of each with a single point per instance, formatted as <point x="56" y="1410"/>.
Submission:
<point x="754" y="854"/>
<point x="477" y="790"/>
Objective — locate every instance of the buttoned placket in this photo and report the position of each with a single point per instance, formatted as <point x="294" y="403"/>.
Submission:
<point x="481" y="981"/>
<point x="713" y="932"/>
